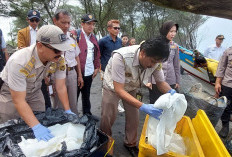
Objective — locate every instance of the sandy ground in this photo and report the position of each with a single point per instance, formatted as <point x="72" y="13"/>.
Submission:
<point x="119" y="125"/>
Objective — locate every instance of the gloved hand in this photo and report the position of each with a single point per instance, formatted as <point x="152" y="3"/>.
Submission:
<point x="69" y="112"/>
<point x="172" y="91"/>
<point x="41" y="132"/>
<point x="152" y="111"/>
<point x="72" y="117"/>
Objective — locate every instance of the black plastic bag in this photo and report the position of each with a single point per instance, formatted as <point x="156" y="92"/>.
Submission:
<point x="194" y="104"/>
<point x="12" y="130"/>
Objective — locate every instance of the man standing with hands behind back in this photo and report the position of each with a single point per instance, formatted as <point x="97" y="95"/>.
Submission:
<point x="89" y="58"/>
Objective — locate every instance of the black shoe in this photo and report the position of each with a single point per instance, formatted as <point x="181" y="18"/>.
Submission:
<point x="224" y="131"/>
<point x="133" y="150"/>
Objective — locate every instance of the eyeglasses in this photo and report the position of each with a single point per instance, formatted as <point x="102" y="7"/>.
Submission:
<point x="55" y="50"/>
<point x="116" y="28"/>
<point x="220" y="39"/>
<point x="34" y="20"/>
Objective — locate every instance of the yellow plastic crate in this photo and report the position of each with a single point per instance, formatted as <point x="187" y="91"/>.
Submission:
<point x="185" y="129"/>
<point x="211" y="143"/>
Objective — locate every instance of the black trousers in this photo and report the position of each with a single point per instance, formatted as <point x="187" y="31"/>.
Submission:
<point x="154" y="94"/>
<point x="45" y="94"/>
<point x="227" y="92"/>
<point x="85" y="94"/>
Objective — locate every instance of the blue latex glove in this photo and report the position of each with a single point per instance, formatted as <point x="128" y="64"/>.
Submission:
<point x="69" y="112"/>
<point x="172" y="91"/>
<point x="41" y="132"/>
<point x="152" y="111"/>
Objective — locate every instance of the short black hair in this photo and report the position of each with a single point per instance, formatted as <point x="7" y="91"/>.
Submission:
<point x="157" y="47"/>
<point x="200" y="59"/>
<point x="124" y="35"/>
<point x="63" y="11"/>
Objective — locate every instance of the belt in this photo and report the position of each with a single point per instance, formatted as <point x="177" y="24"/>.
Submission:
<point x="70" y="68"/>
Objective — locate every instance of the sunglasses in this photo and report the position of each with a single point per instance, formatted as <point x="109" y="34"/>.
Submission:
<point x="34" y="20"/>
<point x="220" y="39"/>
<point x="116" y="28"/>
<point x="55" y="50"/>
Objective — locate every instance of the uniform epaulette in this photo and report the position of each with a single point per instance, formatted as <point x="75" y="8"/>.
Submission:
<point x="28" y="67"/>
<point x="73" y="36"/>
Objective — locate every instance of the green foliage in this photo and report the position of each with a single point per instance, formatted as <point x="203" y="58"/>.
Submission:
<point x="138" y="19"/>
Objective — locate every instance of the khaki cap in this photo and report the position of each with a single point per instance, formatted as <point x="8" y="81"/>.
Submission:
<point x="54" y="36"/>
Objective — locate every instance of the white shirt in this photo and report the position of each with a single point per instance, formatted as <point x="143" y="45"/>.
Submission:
<point x="70" y="55"/>
<point x="89" y="67"/>
<point x="214" y="52"/>
<point x="33" y="35"/>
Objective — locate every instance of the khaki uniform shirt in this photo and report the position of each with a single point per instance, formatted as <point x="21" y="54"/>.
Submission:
<point x="70" y="55"/>
<point x="24" y="71"/>
<point x="124" y="67"/>
<point x="224" y="69"/>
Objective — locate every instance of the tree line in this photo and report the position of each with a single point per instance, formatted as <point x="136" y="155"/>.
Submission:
<point x="139" y="19"/>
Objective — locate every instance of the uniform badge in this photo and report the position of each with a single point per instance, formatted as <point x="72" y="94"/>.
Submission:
<point x="139" y="96"/>
<point x="173" y="47"/>
<point x="90" y="16"/>
<point x="159" y="67"/>
<point x="73" y="45"/>
<point x="52" y="68"/>
<point x="62" y="67"/>
<point x="34" y="13"/>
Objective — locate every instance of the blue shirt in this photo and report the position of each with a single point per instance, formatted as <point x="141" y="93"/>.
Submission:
<point x="107" y="46"/>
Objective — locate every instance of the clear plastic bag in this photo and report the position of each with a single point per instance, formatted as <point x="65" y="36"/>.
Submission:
<point x="160" y="132"/>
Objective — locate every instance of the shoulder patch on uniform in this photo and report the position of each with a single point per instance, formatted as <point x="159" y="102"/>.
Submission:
<point x="61" y="63"/>
<point x="30" y="76"/>
<point x="61" y="60"/>
<point x="28" y="67"/>
<point x="73" y="45"/>
<point x="159" y="67"/>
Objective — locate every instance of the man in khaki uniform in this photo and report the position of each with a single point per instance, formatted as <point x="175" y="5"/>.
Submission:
<point x="27" y="37"/>
<point x="126" y="72"/>
<point x="62" y="19"/>
<point x="223" y="87"/>
<point x="20" y="93"/>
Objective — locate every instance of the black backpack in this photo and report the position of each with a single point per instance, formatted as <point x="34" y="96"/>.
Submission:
<point x="79" y="34"/>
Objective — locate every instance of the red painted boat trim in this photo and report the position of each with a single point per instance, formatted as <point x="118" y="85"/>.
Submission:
<point x="199" y="77"/>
